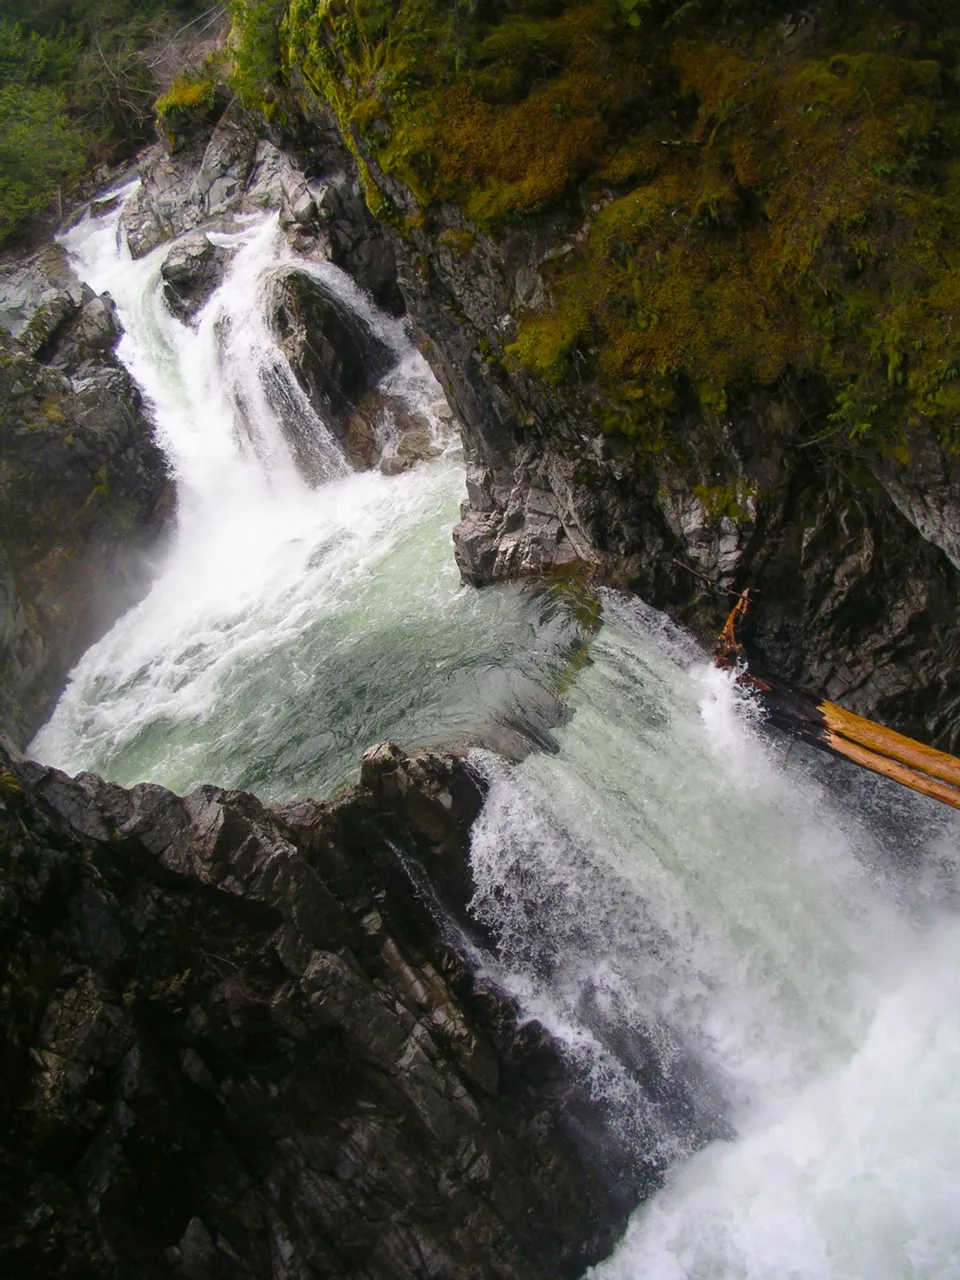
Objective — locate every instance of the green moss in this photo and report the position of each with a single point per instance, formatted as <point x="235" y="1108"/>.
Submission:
<point x="185" y="95"/>
<point x="101" y="484"/>
<point x="503" y="120"/>
<point x="726" y="500"/>
<point x="761" y="205"/>
<point x="461" y="242"/>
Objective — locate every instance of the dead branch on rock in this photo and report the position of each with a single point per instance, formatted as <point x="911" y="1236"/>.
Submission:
<point x="832" y="728"/>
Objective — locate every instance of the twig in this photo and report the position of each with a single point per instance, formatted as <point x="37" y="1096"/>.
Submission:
<point x="709" y="581"/>
<point x="217" y="10"/>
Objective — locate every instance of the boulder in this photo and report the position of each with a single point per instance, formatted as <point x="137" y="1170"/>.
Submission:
<point x="384" y="431"/>
<point x="191" y="271"/>
<point x="335" y="356"/>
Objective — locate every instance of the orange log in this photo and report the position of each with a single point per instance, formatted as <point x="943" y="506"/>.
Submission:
<point x="832" y="728"/>
<point x="875" y="738"/>
<point x="890" y="768"/>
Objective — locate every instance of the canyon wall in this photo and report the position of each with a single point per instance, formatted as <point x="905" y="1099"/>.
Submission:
<point x="686" y="275"/>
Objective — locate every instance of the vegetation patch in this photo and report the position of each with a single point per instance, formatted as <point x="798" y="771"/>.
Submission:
<point x="764" y="196"/>
<point x="77" y="87"/>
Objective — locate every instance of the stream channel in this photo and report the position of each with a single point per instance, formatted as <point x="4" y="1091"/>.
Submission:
<point x="780" y="934"/>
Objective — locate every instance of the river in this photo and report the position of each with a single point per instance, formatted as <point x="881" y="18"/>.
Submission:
<point x="751" y="954"/>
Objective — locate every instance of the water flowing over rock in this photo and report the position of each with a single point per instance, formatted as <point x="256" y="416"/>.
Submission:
<point x="856" y="591"/>
<point x="237" y="1043"/>
<point x="238" y="170"/>
<point x="334" y="354"/>
<point x="191" y="271"/>
<point x="83" y="487"/>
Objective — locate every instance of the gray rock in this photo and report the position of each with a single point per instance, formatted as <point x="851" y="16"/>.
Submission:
<point x="925" y="488"/>
<point x="235" y="171"/>
<point x="191" y="271"/>
<point x="37" y="297"/>
<point x="220" y="1091"/>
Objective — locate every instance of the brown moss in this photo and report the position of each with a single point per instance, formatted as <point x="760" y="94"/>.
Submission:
<point x="776" y="206"/>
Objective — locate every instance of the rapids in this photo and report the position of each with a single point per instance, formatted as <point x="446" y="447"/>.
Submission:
<point x="751" y="955"/>
<point x="289" y="628"/>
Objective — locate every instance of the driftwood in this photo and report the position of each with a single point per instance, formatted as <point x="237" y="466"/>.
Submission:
<point x="825" y="725"/>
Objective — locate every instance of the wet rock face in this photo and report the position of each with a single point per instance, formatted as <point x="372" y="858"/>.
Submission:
<point x="237" y="1044"/>
<point x="191" y="271"/>
<point x="336" y="358"/>
<point x="83" y="488"/>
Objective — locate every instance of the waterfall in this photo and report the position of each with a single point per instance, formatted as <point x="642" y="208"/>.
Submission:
<point x="289" y="627"/>
<point x="750" y="955"/>
<point x="727" y="931"/>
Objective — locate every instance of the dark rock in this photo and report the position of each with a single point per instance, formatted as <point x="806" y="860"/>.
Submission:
<point x="191" y="271"/>
<point x="83" y="487"/>
<point x="334" y="355"/>
<point x="235" y="1043"/>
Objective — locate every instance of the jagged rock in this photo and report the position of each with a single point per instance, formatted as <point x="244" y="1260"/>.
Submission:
<point x="334" y="354"/>
<point x="83" y="487"/>
<point x="235" y="1044"/>
<point x="236" y="171"/>
<point x="85" y="342"/>
<point x="38" y="296"/>
<point x="191" y="271"/>
<point x="924" y="486"/>
<point x="357" y="242"/>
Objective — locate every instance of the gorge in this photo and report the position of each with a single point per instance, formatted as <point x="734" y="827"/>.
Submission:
<point x="603" y="977"/>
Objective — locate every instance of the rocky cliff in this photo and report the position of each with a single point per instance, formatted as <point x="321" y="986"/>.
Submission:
<point x="83" y="488"/>
<point x="687" y="275"/>
<point x="237" y="1043"/>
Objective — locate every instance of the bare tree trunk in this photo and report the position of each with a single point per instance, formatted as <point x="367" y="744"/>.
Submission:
<point x="830" y="727"/>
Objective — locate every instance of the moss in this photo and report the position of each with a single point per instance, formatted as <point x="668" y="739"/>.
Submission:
<point x="191" y="101"/>
<point x="52" y="410"/>
<point x="503" y="121"/>
<point x="186" y="95"/>
<point x="461" y="242"/>
<point x="761" y="206"/>
<point x="101" y="484"/>
<point x="731" y="500"/>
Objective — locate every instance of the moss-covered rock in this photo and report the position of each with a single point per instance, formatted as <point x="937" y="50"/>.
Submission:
<point x="679" y="267"/>
<point x="760" y="197"/>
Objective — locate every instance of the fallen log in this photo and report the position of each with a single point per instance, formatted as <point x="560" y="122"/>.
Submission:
<point x="830" y="727"/>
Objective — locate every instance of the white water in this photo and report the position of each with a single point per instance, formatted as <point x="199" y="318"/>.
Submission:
<point x="735" y="951"/>
<point x="670" y="876"/>
<point x="288" y="627"/>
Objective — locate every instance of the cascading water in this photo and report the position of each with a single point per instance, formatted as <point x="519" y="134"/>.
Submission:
<point x="289" y="627"/>
<point x="751" y="957"/>
<point x="714" y="934"/>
